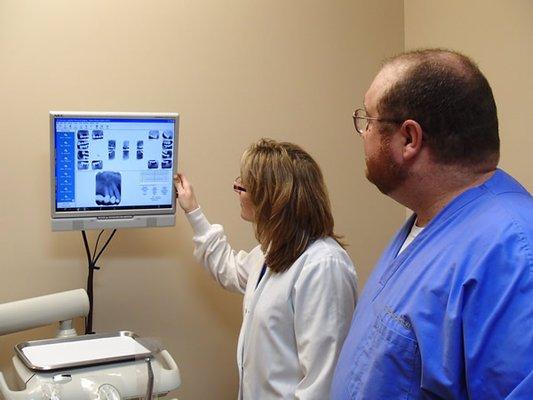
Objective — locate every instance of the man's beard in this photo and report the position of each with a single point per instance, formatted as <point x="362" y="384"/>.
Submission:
<point x="383" y="171"/>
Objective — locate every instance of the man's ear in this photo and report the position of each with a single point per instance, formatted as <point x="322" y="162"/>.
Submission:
<point x="412" y="136"/>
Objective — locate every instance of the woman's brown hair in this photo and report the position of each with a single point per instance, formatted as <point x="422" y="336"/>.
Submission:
<point x="290" y="200"/>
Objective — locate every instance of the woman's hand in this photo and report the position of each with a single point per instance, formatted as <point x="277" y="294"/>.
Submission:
<point x="185" y="193"/>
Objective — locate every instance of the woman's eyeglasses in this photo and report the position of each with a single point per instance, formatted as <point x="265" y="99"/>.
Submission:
<point x="237" y="186"/>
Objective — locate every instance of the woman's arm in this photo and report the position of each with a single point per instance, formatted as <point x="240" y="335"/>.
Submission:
<point x="228" y="267"/>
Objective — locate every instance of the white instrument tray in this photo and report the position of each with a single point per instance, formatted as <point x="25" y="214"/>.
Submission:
<point x="81" y="351"/>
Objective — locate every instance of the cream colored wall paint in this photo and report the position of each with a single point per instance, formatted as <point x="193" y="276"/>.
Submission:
<point x="498" y="35"/>
<point x="235" y="71"/>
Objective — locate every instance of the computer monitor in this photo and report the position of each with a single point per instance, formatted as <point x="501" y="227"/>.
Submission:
<point x="112" y="170"/>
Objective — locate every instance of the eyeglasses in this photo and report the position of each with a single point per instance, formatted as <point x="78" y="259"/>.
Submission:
<point x="361" y="121"/>
<point x="237" y="186"/>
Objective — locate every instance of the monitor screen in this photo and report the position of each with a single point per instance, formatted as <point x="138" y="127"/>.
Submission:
<point x="112" y="169"/>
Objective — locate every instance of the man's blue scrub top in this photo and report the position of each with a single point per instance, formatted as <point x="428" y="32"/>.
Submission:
<point x="451" y="317"/>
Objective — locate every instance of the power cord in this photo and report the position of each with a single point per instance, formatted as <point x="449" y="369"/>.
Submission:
<point x="91" y="260"/>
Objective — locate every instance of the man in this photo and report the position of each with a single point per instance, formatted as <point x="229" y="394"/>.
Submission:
<point x="448" y="310"/>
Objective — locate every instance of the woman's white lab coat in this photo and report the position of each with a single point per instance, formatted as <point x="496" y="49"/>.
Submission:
<point x="294" y="323"/>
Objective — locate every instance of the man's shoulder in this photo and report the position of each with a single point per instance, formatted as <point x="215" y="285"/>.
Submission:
<point x="504" y="191"/>
<point x="497" y="226"/>
<point x="501" y="204"/>
<point x="505" y="211"/>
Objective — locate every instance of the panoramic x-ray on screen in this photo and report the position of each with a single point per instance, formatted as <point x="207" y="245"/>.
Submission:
<point x="112" y="170"/>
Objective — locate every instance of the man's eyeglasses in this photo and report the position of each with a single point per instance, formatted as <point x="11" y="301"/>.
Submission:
<point x="361" y="121"/>
<point x="237" y="186"/>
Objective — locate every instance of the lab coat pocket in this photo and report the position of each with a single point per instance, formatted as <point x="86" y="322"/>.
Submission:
<point x="388" y="365"/>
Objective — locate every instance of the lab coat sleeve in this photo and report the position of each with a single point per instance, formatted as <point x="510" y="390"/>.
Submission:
<point x="324" y="299"/>
<point x="228" y="267"/>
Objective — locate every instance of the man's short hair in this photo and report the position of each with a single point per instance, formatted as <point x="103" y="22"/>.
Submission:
<point x="446" y="93"/>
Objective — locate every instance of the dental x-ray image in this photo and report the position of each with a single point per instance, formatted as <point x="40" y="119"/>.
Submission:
<point x="83" y="165"/>
<point x="83" y="134"/>
<point x="108" y="188"/>
<point x="98" y="134"/>
<point x="97" y="164"/>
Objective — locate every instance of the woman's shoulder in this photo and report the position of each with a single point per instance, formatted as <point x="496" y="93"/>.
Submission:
<point x="325" y="258"/>
<point x="257" y="252"/>
<point x="326" y="249"/>
<point x="326" y="246"/>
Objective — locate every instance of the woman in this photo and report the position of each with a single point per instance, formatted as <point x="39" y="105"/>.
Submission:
<point x="299" y="284"/>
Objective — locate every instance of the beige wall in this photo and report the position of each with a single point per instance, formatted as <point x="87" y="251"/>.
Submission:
<point x="498" y="35"/>
<point x="235" y="71"/>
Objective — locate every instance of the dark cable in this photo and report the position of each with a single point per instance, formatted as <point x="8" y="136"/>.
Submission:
<point x="86" y="246"/>
<point x="105" y="245"/>
<point x="97" y="240"/>
<point x="92" y="259"/>
<point x="89" y="318"/>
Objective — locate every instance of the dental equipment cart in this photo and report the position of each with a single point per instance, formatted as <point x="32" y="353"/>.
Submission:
<point x="113" y="366"/>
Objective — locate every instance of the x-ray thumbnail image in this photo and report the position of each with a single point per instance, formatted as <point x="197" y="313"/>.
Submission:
<point x="83" y="155"/>
<point x="167" y="134"/>
<point x="166" y="164"/>
<point x="111" y="154"/>
<point x="167" y="144"/>
<point x="125" y="154"/>
<point x="97" y="164"/>
<point x="98" y="134"/>
<point x="83" y="134"/>
<point x="140" y="154"/>
<point x="153" y="164"/>
<point x="111" y="145"/>
<point x="83" y="165"/>
<point x="153" y="134"/>
<point x="166" y="154"/>
<point x="108" y="188"/>
<point x="126" y="145"/>
<point x="83" y="145"/>
<point x="140" y="144"/>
